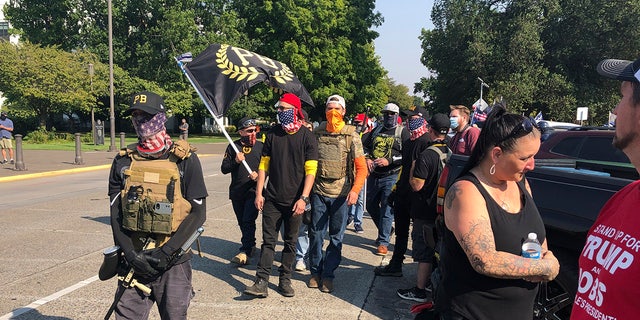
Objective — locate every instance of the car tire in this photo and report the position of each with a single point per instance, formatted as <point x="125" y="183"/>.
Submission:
<point x="555" y="298"/>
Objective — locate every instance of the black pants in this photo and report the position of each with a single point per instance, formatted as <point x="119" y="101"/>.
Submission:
<point x="402" y="220"/>
<point x="274" y="216"/>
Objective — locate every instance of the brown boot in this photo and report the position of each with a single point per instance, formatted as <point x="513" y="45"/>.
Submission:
<point x="314" y="281"/>
<point x="327" y="285"/>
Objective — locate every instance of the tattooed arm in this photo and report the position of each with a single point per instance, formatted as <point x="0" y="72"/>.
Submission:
<point x="466" y="216"/>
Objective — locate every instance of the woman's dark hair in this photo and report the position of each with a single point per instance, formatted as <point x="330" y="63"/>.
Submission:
<point x="498" y="130"/>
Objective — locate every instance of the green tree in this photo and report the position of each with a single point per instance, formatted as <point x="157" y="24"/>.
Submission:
<point x="46" y="80"/>
<point x="328" y="45"/>
<point x="398" y="93"/>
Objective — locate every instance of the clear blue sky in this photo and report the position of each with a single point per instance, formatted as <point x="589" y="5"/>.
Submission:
<point x="398" y="45"/>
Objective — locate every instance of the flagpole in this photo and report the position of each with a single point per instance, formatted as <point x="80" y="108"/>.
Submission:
<point x="217" y="119"/>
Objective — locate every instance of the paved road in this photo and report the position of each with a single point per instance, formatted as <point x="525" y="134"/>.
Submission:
<point x="56" y="225"/>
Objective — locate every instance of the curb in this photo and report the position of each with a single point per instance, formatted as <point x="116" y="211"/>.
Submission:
<point x="52" y="173"/>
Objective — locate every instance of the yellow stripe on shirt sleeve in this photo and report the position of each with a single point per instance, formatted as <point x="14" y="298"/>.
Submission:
<point x="311" y="167"/>
<point x="264" y="163"/>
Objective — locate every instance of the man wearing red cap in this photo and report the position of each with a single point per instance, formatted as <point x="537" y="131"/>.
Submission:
<point x="290" y="158"/>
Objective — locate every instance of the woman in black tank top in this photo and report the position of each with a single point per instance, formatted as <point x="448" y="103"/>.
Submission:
<point x="488" y="214"/>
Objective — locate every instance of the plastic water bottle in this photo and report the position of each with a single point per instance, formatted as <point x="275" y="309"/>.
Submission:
<point x="531" y="247"/>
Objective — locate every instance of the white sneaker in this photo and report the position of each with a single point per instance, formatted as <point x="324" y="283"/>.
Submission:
<point x="300" y="266"/>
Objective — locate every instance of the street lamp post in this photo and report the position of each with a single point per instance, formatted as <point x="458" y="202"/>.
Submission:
<point x="482" y="84"/>
<point x="112" y="117"/>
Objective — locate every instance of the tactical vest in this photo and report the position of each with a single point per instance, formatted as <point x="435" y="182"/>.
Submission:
<point x="334" y="152"/>
<point x="152" y="202"/>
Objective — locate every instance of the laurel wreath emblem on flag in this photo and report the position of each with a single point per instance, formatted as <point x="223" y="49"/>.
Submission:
<point x="240" y="73"/>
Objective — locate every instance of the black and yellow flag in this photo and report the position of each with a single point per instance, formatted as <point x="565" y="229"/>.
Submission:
<point x="222" y="73"/>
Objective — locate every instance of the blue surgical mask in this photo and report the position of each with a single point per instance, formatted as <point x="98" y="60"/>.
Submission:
<point x="454" y="122"/>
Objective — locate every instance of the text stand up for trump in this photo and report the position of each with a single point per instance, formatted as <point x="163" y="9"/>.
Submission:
<point x="221" y="73"/>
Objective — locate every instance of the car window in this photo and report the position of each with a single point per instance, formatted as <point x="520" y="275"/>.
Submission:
<point x="601" y="149"/>
<point x="568" y="146"/>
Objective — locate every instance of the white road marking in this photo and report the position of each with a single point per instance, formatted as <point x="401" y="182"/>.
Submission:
<point x="34" y="305"/>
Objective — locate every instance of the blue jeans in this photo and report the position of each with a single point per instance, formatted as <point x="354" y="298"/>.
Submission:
<point x="378" y="190"/>
<point x="357" y="210"/>
<point x="328" y="213"/>
<point x="246" y="214"/>
<point x="302" y="246"/>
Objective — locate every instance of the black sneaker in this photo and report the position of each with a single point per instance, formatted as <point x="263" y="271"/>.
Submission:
<point x="415" y="294"/>
<point x="11" y="161"/>
<point x="358" y="228"/>
<point x="349" y="220"/>
<point x="390" y="270"/>
<point x="286" y="289"/>
<point x="3" y="161"/>
<point x="258" y="289"/>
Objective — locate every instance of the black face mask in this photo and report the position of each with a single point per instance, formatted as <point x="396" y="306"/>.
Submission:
<point x="246" y="140"/>
<point x="359" y="128"/>
<point x="3" y="117"/>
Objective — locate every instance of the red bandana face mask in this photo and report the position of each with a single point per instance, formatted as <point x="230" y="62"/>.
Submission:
<point x="154" y="146"/>
<point x="147" y="125"/>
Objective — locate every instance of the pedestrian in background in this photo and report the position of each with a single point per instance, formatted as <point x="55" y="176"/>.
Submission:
<point x="488" y="213"/>
<point x="608" y="288"/>
<point x="356" y="211"/>
<point x="341" y="174"/>
<point x="384" y="159"/>
<point x="153" y="177"/>
<point x="302" y="245"/>
<point x="465" y="136"/>
<point x="184" y="129"/>
<point x="242" y="189"/>
<point x="290" y="158"/>
<point x="6" y="128"/>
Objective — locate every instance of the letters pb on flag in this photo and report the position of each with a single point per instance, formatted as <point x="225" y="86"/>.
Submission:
<point x="221" y="73"/>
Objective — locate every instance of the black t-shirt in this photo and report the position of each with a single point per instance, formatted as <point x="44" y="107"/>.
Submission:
<point x="192" y="186"/>
<point x="475" y="295"/>
<point x="288" y="153"/>
<point x="241" y="187"/>
<point x="411" y="149"/>
<point x="382" y="143"/>
<point x="427" y="168"/>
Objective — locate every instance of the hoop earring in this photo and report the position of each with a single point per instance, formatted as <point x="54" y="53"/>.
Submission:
<point x="492" y="170"/>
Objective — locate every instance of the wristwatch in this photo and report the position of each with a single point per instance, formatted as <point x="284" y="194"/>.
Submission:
<point x="305" y="199"/>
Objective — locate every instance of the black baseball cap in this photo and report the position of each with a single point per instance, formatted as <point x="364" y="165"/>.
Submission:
<point x="146" y="101"/>
<point x="624" y="70"/>
<point x="415" y="111"/>
<point x="245" y="122"/>
<point x="440" y="123"/>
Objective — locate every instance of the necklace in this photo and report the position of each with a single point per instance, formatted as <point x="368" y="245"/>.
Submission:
<point x="503" y="204"/>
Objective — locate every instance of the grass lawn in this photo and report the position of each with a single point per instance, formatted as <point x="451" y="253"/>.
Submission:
<point x="70" y="145"/>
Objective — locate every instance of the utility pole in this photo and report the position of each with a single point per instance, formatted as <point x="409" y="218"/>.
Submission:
<point x="112" y="117"/>
<point x="93" y="118"/>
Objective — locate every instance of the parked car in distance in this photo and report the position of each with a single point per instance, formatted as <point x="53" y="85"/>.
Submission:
<point x="587" y="143"/>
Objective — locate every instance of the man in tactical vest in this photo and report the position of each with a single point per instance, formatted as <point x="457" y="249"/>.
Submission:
<point x="384" y="159"/>
<point x="157" y="195"/>
<point x="335" y="189"/>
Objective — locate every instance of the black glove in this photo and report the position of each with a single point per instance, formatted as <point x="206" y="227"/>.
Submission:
<point x="140" y="264"/>
<point x="158" y="259"/>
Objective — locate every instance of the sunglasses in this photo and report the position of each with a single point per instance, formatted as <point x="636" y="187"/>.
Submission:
<point x="521" y="130"/>
<point x="249" y="130"/>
